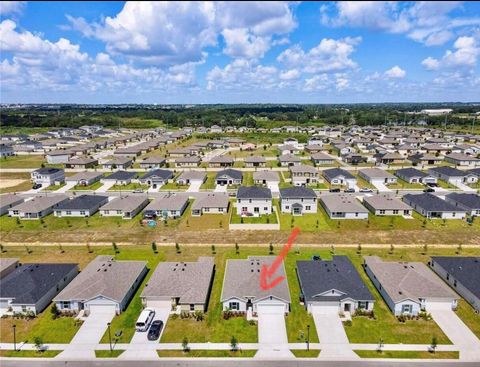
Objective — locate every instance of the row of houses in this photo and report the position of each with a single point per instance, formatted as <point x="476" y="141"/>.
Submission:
<point x="108" y="284"/>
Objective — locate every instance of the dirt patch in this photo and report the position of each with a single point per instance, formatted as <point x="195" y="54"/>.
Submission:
<point x="4" y="183"/>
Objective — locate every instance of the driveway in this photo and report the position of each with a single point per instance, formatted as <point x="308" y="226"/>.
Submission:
<point x="272" y="333"/>
<point x="331" y="333"/>
<point x="465" y="188"/>
<point x="194" y="186"/>
<point x="67" y="187"/>
<point x="220" y="188"/>
<point x="459" y="334"/>
<point x="90" y="333"/>
<point x="381" y="187"/>
<point x="273" y="186"/>
<point x="105" y="186"/>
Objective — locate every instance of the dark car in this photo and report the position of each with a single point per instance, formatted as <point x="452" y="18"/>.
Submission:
<point x="155" y="329"/>
<point x="36" y="186"/>
<point x="432" y="184"/>
<point x="335" y="190"/>
<point x="429" y="189"/>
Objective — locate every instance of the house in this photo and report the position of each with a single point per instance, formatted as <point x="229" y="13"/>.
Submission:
<point x="338" y="176"/>
<point x="314" y="148"/>
<point x="8" y="201"/>
<point x="85" y="178"/>
<point x="241" y="291"/>
<point x="132" y="151"/>
<point x="322" y="159"/>
<point x="126" y="207"/>
<point x="343" y="206"/>
<point x="288" y="160"/>
<point x="408" y="287"/>
<point x="84" y="163"/>
<point x="303" y="175"/>
<point x="288" y="149"/>
<point x="389" y="158"/>
<point x="413" y="175"/>
<point x="463" y="160"/>
<point x="254" y="201"/>
<point x="291" y="141"/>
<point x="7" y="265"/>
<point x="156" y="178"/>
<point x="80" y="206"/>
<point x="421" y="158"/>
<point x="38" y="207"/>
<point x="120" y="177"/>
<point x="462" y="274"/>
<point x="153" y="162"/>
<point x="255" y="161"/>
<point x="466" y="201"/>
<point x="171" y="205"/>
<point x="221" y="161"/>
<point x="432" y="206"/>
<point x="448" y="174"/>
<point x="377" y="175"/>
<point x="180" y="152"/>
<point x="188" y="177"/>
<point x="190" y="161"/>
<point x="386" y="204"/>
<point x="104" y="285"/>
<point x="211" y="203"/>
<point x="215" y="129"/>
<point x="229" y="177"/>
<point x="354" y="158"/>
<point x="118" y="163"/>
<point x="58" y="156"/>
<point x="265" y="177"/>
<point x="6" y="150"/>
<point x="298" y="200"/>
<point x="30" y="287"/>
<point x="48" y="176"/>
<point x="333" y="283"/>
<point x="187" y="285"/>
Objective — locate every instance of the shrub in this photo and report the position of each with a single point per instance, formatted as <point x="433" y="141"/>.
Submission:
<point x="213" y="250"/>
<point x="198" y="315"/>
<point x="234" y="344"/>
<point x="185" y="346"/>
<point x="38" y="342"/>
<point x="174" y="316"/>
<point x="54" y="311"/>
<point x="348" y="323"/>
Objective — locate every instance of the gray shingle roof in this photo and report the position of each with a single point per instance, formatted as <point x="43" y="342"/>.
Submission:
<point x="318" y="277"/>
<point x="253" y="192"/>
<point x="8" y="199"/>
<point x="242" y="279"/>
<point x="82" y="202"/>
<point x="255" y="159"/>
<point x="410" y="172"/>
<point x="269" y="176"/>
<point x="125" y="203"/>
<point x="48" y="171"/>
<point x="332" y="173"/>
<point x="30" y="282"/>
<point x="188" y="281"/>
<point x="39" y="203"/>
<point x="86" y="175"/>
<point x="430" y="202"/>
<point x="448" y="171"/>
<point x="232" y="173"/>
<point x="162" y="173"/>
<point x="342" y="203"/>
<point x="412" y="280"/>
<point x="297" y="192"/>
<point x="103" y="276"/>
<point x="376" y="173"/>
<point x="211" y="200"/>
<point x="465" y="269"/>
<point x="121" y="175"/>
<point x="468" y="200"/>
<point x="192" y="175"/>
<point x="385" y="202"/>
<point x="168" y="202"/>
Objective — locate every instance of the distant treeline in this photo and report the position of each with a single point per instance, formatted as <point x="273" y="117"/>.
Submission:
<point x="228" y="115"/>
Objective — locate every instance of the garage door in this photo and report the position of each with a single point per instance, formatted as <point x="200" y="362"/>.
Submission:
<point x="102" y="308"/>
<point x="271" y="324"/>
<point x="432" y="305"/>
<point x="326" y="308"/>
<point x="159" y="304"/>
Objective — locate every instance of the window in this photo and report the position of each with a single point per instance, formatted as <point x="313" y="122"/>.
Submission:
<point x="308" y="207"/>
<point x="395" y="211"/>
<point x="206" y="209"/>
<point x="106" y="212"/>
<point x="68" y="212"/>
<point x="287" y="207"/>
<point x="65" y="304"/>
<point x="244" y="209"/>
<point x="24" y="308"/>
<point x="265" y="208"/>
<point x="406" y="308"/>
<point x="382" y="211"/>
<point x="234" y="306"/>
<point x="362" y="305"/>
<point x="455" y="283"/>
<point x="256" y="209"/>
<point x="82" y="212"/>
<point x="192" y="307"/>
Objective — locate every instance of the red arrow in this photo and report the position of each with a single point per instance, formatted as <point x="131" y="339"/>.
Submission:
<point x="267" y="272"/>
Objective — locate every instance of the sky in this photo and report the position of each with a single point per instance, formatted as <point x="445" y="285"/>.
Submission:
<point x="239" y="52"/>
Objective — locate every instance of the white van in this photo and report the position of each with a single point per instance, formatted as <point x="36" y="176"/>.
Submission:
<point x="145" y="319"/>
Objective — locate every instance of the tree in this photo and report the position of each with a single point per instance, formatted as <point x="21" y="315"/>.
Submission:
<point x="2" y="249"/>
<point x="60" y="247"/>
<point x="213" y="250"/>
<point x="89" y="249"/>
<point x="359" y="249"/>
<point x="391" y="249"/>
<point x="177" y="248"/>
<point x="154" y="247"/>
<point x="28" y="249"/>
<point x="234" y="344"/>
<point x="38" y="343"/>
<point x="54" y="311"/>
<point x="434" y="344"/>
<point x="237" y="248"/>
<point x="271" y="249"/>
<point x="425" y="249"/>
<point x="185" y="345"/>
<point x="332" y="250"/>
<point x="115" y="248"/>
<point x="459" y="248"/>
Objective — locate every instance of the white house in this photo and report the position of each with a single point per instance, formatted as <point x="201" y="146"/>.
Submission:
<point x="254" y="201"/>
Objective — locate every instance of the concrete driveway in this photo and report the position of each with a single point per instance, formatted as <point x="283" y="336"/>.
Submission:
<point x="459" y="334"/>
<point x="465" y="188"/>
<point x="273" y="186"/>
<point x="272" y="333"/>
<point x="105" y="186"/>
<point x="67" y="187"/>
<point x="194" y="186"/>
<point x="381" y="187"/>
<point x="220" y="188"/>
<point x="331" y="333"/>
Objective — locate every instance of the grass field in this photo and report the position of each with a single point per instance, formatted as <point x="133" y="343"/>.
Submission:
<point x="93" y="187"/>
<point x="206" y="353"/>
<point x="262" y="219"/>
<point x="303" y="353"/>
<point x="54" y="187"/>
<point x="130" y="186"/>
<point x="108" y="354"/>
<point x="29" y="353"/>
<point x="209" y="182"/>
<point x="23" y="161"/>
<point x="406" y="354"/>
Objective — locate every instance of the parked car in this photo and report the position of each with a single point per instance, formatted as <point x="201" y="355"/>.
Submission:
<point x="335" y="190"/>
<point x="36" y="186"/>
<point x="137" y="191"/>
<point x="145" y="319"/>
<point x="432" y="184"/>
<point x="155" y="329"/>
<point x="429" y="189"/>
<point x="365" y="189"/>
<point x="349" y="190"/>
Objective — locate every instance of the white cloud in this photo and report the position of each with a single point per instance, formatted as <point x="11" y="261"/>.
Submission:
<point x="395" y="72"/>
<point x="466" y="53"/>
<point x="166" y="33"/>
<point x="427" y="22"/>
<point x="328" y="55"/>
<point x="11" y="7"/>
<point x="290" y="74"/>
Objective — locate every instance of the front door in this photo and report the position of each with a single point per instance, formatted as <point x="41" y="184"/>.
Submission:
<point x="249" y="304"/>
<point x="346" y="307"/>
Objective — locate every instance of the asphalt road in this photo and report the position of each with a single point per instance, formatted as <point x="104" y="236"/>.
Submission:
<point x="221" y="362"/>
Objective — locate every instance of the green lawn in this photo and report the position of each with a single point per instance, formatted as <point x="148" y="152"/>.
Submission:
<point x="263" y="219"/>
<point x="303" y="353"/>
<point x="108" y="354"/>
<point x="93" y="187"/>
<point x="401" y="184"/>
<point x="54" y="187"/>
<point x="204" y="222"/>
<point x="23" y="161"/>
<point x="406" y="354"/>
<point x="469" y="317"/>
<point x="29" y="353"/>
<point x="174" y="186"/>
<point x="206" y="353"/>
<point x="60" y="330"/>
<point x="130" y="186"/>
<point x="210" y="181"/>
<point x="247" y="179"/>
<point x="363" y="183"/>
<point x="445" y="185"/>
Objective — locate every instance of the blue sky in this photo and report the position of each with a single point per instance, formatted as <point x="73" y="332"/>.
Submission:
<point x="255" y="52"/>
